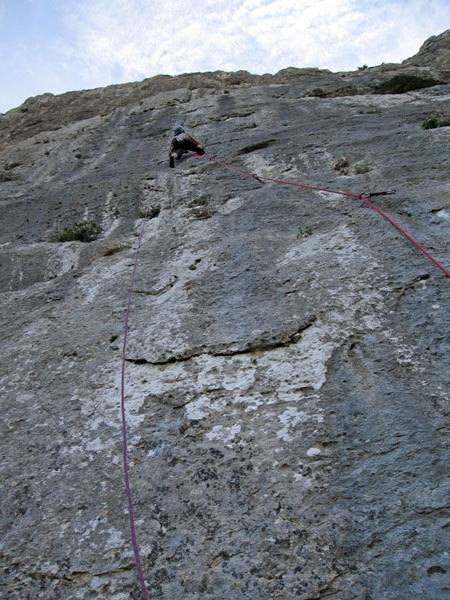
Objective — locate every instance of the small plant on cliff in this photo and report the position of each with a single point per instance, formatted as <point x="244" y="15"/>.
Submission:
<point x="342" y="166"/>
<point x="11" y="166"/>
<point x="83" y="231"/>
<point x="436" y="121"/>
<point x="6" y="177"/>
<point x="361" y="169"/>
<point x="304" y="232"/>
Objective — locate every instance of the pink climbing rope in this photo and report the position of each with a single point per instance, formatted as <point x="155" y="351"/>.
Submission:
<point x="124" y="430"/>
<point x="363" y="197"/>
<point x="404" y="233"/>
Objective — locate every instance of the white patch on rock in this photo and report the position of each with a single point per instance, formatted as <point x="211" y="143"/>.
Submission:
<point x="197" y="409"/>
<point x="224" y="434"/>
<point x="258" y="164"/>
<point x="290" y="418"/>
<point x="406" y="354"/>
<point x="115" y="540"/>
<point x="443" y="214"/>
<point x="302" y="365"/>
<point x="313" y="452"/>
<point x="94" y="282"/>
<point x="64" y="258"/>
<point x="230" y="206"/>
<point x="110" y="220"/>
<point x="305" y="481"/>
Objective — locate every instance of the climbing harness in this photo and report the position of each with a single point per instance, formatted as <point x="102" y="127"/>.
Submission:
<point x="124" y="429"/>
<point x="364" y="197"/>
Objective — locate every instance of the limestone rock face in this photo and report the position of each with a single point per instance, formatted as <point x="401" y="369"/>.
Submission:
<point x="435" y="53"/>
<point x="286" y="370"/>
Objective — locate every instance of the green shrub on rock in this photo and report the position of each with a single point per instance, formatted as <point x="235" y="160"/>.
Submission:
<point x="83" y="231"/>
<point x="436" y="121"/>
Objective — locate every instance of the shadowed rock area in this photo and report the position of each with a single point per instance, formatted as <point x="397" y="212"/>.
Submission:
<point x="287" y="363"/>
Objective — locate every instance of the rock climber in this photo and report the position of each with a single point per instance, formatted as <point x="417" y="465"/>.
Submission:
<point x="182" y="143"/>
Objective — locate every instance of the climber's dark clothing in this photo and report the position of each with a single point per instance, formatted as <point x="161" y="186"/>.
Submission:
<point x="183" y="143"/>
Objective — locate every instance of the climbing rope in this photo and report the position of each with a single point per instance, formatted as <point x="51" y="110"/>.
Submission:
<point x="124" y="430"/>
<point x="364" y="197"/>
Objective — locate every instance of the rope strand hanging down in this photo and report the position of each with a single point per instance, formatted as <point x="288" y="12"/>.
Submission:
<point x="137" y="558"/>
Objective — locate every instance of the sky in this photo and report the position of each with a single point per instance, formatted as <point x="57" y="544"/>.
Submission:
<point x="64" y="45"/>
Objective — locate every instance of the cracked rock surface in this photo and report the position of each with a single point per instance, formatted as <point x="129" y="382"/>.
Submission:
<point x="287" y="361"/>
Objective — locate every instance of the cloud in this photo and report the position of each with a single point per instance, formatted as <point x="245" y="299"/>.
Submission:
<point x="132" y="39"/>
<point x="53" y="46"/>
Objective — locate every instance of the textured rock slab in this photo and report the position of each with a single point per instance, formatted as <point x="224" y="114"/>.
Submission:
<point x="286" y="381"/>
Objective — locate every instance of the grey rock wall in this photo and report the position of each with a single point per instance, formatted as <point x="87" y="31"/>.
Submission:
<point x="287" y="366"/>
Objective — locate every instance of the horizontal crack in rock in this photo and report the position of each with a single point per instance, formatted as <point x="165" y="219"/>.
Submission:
<point x="283" y="341"/>
<point x="256" y="146"/>
<point x="158" y="291"/>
